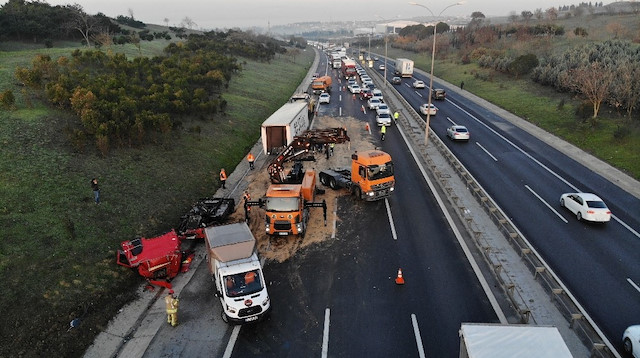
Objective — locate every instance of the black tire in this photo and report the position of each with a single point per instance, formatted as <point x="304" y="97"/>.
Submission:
<point x="579" y="216"/>
<point x="358" y="192"/>
<point x="333" y="184"/>
<point x="225" y="318"/>
<point x="627" y="346"/>
<point x="562" y="203"/>
<point x="323" y="179"/>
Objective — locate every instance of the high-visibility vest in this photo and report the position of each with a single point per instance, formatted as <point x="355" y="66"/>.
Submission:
<point x="383" y="130"/>
<point x="250" y="157"/>
<point x="223" y="175"/>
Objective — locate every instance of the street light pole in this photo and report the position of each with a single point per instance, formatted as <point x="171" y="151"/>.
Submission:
<point x="433" y="57"/>
<point x="386" y="40"/>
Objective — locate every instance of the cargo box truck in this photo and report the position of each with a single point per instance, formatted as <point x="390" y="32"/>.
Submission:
<point x="287" y="122"/>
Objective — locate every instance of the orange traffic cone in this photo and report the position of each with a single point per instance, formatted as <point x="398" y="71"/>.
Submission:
<point x="399" y="279"/>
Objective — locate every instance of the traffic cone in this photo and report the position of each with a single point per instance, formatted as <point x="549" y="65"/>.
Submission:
<point x="399" y="279"/>
<point x="366" y="127"/>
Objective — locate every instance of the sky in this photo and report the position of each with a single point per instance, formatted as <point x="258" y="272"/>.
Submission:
<point x="224" y="14"/>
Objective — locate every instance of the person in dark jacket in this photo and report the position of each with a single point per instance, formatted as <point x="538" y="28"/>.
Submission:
<point x="96" y="190"/>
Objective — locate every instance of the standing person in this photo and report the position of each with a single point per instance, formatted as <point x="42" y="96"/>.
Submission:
<point x="396" y="115"/>
<point x="461" y="84"/>
<point x="247" y="209"/>
<point x="383" y="131"/>
<point x="96" y="190"/>
<point x="331" y="146"/>
<point x="250" y="159"/>
<point x="223" y="178"/>
<point x="171" y="303"/>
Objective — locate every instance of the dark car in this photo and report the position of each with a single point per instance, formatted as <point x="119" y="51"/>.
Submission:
<point x="366" y="93"/>
<point x="439" y="93"/>
<point x="396" y="80"/>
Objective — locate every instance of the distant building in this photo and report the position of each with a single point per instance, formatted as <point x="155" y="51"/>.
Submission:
<point x="394" y="27"/>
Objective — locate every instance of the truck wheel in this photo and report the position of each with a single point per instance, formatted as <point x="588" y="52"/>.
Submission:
<point x="225" y="318"/>
<point x="323" y="179"/>
<point x="332" y="183"/>
<point x="358" y="192"/>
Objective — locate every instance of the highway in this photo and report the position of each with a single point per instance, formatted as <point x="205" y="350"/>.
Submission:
<point x="340" y="297"/>
<point x="525" y="176"/>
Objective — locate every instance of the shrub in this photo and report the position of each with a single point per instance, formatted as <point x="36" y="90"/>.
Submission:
<point x="7" y="99"/>
<point x="523" y="64"/>
<point x="584" y="110"/>
<point x="560" y="104"/>
<point x="579" y="31"/>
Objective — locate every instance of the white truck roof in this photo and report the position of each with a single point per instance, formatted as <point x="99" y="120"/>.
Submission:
<point x="507" y="341"/>
<point x="285" y="114"/>
<point x="230" y="242"/>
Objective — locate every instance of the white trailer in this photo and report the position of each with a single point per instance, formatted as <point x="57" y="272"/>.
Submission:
<point x="287" y="122"/>
<point x="480" y="340"/>
<point x="237" y="273"/>
<point x="404" y="67"/>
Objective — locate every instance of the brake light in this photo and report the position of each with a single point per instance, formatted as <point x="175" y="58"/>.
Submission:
<point x="590" y="212"/>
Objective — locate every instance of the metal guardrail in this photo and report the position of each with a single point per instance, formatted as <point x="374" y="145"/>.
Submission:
<point x="413" y="125"/>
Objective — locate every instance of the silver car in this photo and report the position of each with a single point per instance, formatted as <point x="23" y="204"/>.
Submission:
<point x="458" y="133"/>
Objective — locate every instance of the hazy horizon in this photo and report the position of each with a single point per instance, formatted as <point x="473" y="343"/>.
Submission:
<point x="212" y="14"/>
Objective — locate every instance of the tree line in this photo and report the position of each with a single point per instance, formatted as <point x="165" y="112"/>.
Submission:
<point x="122" y="102"/>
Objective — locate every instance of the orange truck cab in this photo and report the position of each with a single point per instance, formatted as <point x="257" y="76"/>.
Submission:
<point x="321" y="84"/>
<point x="370" y="178"/>
<point x="284" y="204"/>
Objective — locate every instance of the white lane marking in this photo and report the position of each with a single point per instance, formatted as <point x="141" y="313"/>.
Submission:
<point x="486" y="151"/>
<point x="325" y="334"/>
<point x="340" y="114"/>
<point x="451" y="121"/>
<point x="393" y="227"/>
<point x="467" y="252"/>
<point x="416" y="332"/>
<point x="335" y="219"/>
<point x="340" y="98"/>
<point x="633" y="284"/>
<point x="418" y="93"/>
<point x="634" y="232"/>
<point x="547" y="204"/>
<point x="232" y="341"/>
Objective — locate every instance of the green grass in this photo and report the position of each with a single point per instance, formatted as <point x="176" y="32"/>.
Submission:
<point x="57" y="254"/>
<point x="539" y="105"/>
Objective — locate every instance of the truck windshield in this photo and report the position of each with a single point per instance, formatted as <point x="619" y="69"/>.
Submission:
<point x="242" y="284"/>
<point x="281" y="204"/>
<point x="375" y="172"/>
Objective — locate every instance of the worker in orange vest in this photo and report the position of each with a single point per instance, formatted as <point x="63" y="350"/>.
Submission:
<point x="223" y="178"/>
<point x="247" y="209"/>
<point x="171" y="303"/>
<point x="250" y="159"/>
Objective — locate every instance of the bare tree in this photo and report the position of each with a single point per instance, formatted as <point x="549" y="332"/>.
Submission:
<point x="82" y="22"/>
<point x="616" y="29"/>
<point x="538" y="14"/>
<point x="188" y="23"/>
<point x="552" y="13"/>
<point x="166" y="21"/>
<point x="593" y="81"/>
<point x="526" y="15"/>
<point x="131" y="14"/>
<point x="513" y="17"/>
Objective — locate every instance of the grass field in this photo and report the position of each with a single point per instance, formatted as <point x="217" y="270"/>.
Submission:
<point x="57" y="254"/>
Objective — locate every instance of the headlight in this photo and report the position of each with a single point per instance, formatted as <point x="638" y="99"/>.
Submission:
<point x="370" y="193"/>
<point x="266" y="301"/>
<point x="391" y="189"/>
<point x="231" y="309"/>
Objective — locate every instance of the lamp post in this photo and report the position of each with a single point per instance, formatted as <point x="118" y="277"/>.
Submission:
<point x="385" y="49"/>
<point x="433" y="57"/>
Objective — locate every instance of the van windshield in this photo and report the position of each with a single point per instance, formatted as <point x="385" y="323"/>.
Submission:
<point x="375" y="172"/>
<point x="281" y="204"/>
<point x="242" y="284"/>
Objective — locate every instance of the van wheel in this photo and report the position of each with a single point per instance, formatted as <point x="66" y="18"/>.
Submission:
<point x="332" y="183"/>
<point x="323" y="180"/>
<point x="225" y="318"/>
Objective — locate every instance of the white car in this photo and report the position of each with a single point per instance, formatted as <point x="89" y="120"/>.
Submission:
<point x="383" y="108"/>
<point x="631" y="340"/>
<point x="376" y="93"/>
<point x="383" y="119"/>
<point x="458" y="133"/>
<point x="354" y="88"/>
<point x="324" y="98"/>
<point x="418" y="84"/>
<point x="432" y="109"/>
<point x="586" y="206"/>
<point x="373" y="103"/>
<point x="381" y="67"/>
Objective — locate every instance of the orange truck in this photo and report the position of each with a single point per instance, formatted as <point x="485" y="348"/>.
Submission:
<point x="321" y="84"/>
<point x="370" y="178"/>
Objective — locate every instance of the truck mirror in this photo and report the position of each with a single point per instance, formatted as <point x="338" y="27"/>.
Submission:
<point x="354" y="156"/>
<point x="217" y="294"/>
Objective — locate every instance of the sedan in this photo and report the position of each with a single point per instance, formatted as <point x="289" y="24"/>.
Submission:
<point x="383" y="119"/>
<point x="418" y="84"/>
<point x="631" y="341"/>
<point x="381" y="67"/>
<point x="373" y="103"/>
<point x="324" y="98"/>
<point x="432" y="109"/>
<point x="376" y="93"/>
<point x="354" y="88"/>
<point x="586" y="206"/>
<point x="396" y="80"/>
<point x="458" y="133"/>
<point x="383" y="108"/>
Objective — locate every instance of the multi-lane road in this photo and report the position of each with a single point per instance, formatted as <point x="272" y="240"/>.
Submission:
<point x="600" y="264"/>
